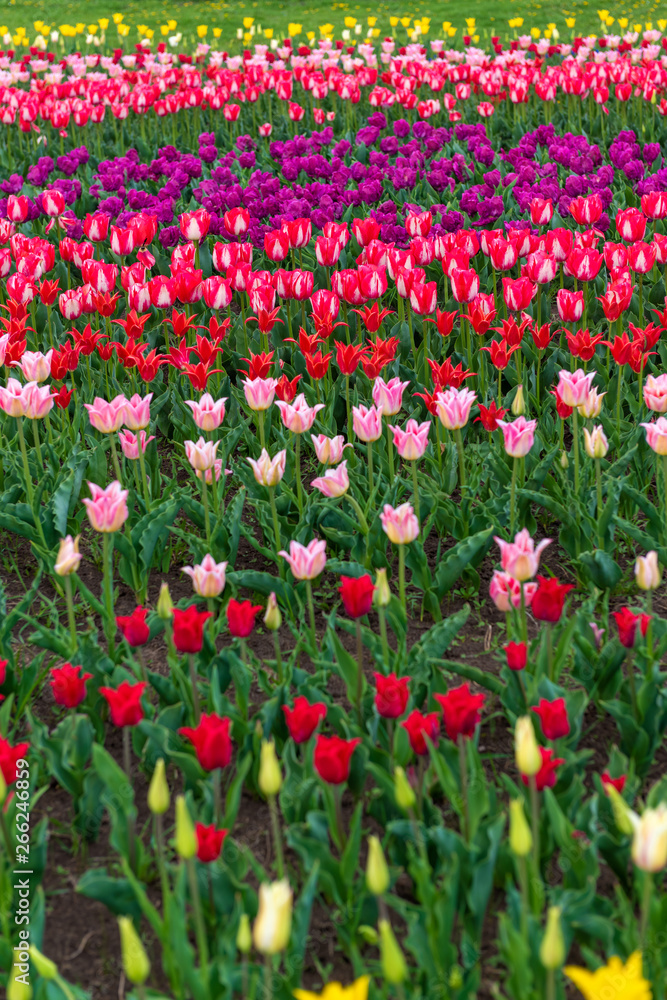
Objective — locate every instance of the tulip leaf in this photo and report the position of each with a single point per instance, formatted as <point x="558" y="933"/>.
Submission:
<point x="438" y="638"/>
<point x="469" y="551"/>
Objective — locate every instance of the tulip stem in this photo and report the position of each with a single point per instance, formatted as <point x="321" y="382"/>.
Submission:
<point x="360" y="671"/>
<point x="216" y="778"/>
<point x="412" y="332"/>
<point x="463" y="771"/>
<point x="299" y="496"/>
<point x="551" y="984"/>
<point x="114" y="459"/>
<point x="195" y="689"/>
<point x="513" y="497"/>
<point x="370" y="468"/>
<point x="401" y="576"/>
<point x="383" y="635"/>
<point x="311" y="611"/>
<point x="598" y="479"/>
<point x="28" y="480"/>
<point x="204" y="496"/>
<point x="200" y="930"/>
<point x="164" y="881"/>
<point x="523" y="886"/>
<point x="277" y="836"/>
<point x="459" y="446"/>
<point x="647" y="896"/>
<point x="524" y="616"/>
<point x="415" y="487"/>
<point x="618" y="403"/>
<point x="260" y="425"/>
<point x="535" y="818"/>
<point x="70" y="611"/>
<point x="390" y="454"/>
<point x="550" y="652"/>
<point x="664" y="482"/>
<point x="630" y="670"/>
<point x="144" y="477"/>
<point x="274" y="515"/>
<point x="279" y="659"/>
<point x="575" y="442"/>
<point x="347" y="402"/>
<point x="107" y="568"/>
<point x="35" y="434"/>
<point x="127" y="766"/>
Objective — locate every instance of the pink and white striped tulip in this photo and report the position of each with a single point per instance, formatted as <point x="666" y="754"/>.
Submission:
<point x="298" y="417"/>
<point x="518" y="435"/>
<point x="574" y="387"/>
<point x="201" y="454"/>
<point x="655" y="393"/>
<point x="269" y="471"/>
<point x="35" y="366"/>
<point x="107" y="509"/>
<point x="367" y="423"/>
<point x="453" y="407"/>
<point x="138" y="412"/>
<point x="208" y="578"/>
<point x="329" y="451"/>
<point x="388" y="396"/>
<point x="131" y="443"/>
<point x="400" y="524"/>
<point x="505" y="591"/>
<point x="656" y="435"/>
<point x="521" y="558"/>
<point x="208" y="413"/>
<point x="306" y="561"/>
<point x="412" y="442"/>
<point x="38" y="401"/>
<point x="107" y="417"/>
<point x="334" y="482"/>
<point x="259" y="392"/>
<point x="14" y="397"/>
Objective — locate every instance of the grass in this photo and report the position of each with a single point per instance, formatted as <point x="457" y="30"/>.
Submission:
<point x="491" y="17"/>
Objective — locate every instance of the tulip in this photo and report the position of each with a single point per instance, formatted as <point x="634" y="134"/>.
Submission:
<point x="208" y="577"/>
<point x="516" y="654"/>
<point x="656" y="435"/>
<point x="329" y="451"/>
<point x="392" y="961"/>
<point x="520" y="558"/>
<point x="655" y="393"/>
<point x="304" y="718"/>
<point x="259" y="393"/>
<point x="518" y="436"/>
<point x="211" y="740"/>
<point x="201" y="454"/>
<point x="453" y="407"/>
<point x="403" y="791"/>
<point x="35" y="366"/>
<point x="521" y="841"/>
<point x="649" y="840"/>
<point x="185" y="840"/>
<point x="306" y="562"/>
<point x="158" y="790"/>
<point x="412" y="442"/>
<point x="377" y="872"/>
<point x="273" y="924"/>
<point x="125" y="703"/>
<point x="298" y="417"/>
<point x="241" y="617"/>
<point x="334" y="482"/>
<point x="553" y="717"/>
<point x="195" y="225"/>
<point x="596" y="442"/>
<point x="136" y="964"/>
<point x="648" y="574"/>
<point x="188" y="625"/>
<point x="552" y="948"/>
<point x="570" y="305"/>
<point x="107" y="418"/>
<point x="107" y="509"/>
<point x="526" y="749"/>
<point x="68" y="685"/>
<point x="269" y="778"/>
<point x="244" y="933"/>
<point x="592" y="407"/>
<point x="272" y="618"/>
<point x="209" y="842"/>
<point x="269" y="471"/>
<point x="388" y="396"/>
<point x="68" y="558"/>
<point x="134" y="628"/>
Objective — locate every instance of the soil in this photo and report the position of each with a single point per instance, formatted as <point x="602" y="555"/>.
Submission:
<point x="81" y="935"/>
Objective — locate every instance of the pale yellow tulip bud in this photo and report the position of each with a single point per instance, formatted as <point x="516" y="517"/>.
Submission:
<point x="394" y="968"/>
<point x="273" y="923"/>
<point x="186" y="838"/>
<point x="518" y="406"/>
<point x="521" y="839"/>
<point x="552" y="949"/>
<point x="382" y="593"/>
<point x="270" y="778"/>
<point x="526" y="748"/>
<point x="273" y="618"/>
<point x="648" y="574"/>
<point x="403" y="790"/>
<point x="135" y="960"/>
<point x="158" y="790"/>
<point x="377" y="872"/>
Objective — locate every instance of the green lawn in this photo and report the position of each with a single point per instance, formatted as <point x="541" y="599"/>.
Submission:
<point x="491" y="17"/>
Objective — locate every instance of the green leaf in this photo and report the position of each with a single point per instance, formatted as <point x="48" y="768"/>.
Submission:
<point x="438" y="638"/>
<point x="601" y="569"/>
<point x="464" y="553"/>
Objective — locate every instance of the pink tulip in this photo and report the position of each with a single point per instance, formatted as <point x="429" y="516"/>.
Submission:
<point x="367" y="423"/>
<point x="412" y="442"/>
<point x="269" y="471"/>
<point x="329" y="451"/>
<point x="215" y="470"/>
<point x="520" y="558"/>
<point x="656" y="435"/>
<point x="38" y="400"/>
<point x="14" y="397"/>
<point x="107" y="417"/>
<point x="505" y="591"/>
<point x="107" y="509"/>
<point x="259" y="392"/>
<point x="518" y="435"/>
<point x="388" y="396"/>
<point x="131" y="443"/>
<point x="208" y="578"/>
<point x="195" y="225"/>
<point x="334" y="482"/>
<point x="35" y="366"/>
<point x="201" y="454"/>
<point x="298" y="417"/>
<point x="453" y="407"/>
<point x="400" y="524"/>
<point x="574" y="387"/>
<point x="4" y="344"/>
<point x="69" y="557"/>
<point x="306" y="561"/>
<point x="138" y="412"/>
<point x="208" y="413"/>
<point x="655" y="393"/>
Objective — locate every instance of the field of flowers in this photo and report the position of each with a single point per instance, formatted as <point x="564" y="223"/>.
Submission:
<point x="333" y="510"/>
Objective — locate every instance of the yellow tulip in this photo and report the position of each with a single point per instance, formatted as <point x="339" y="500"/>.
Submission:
<point x="350" y="22"/>
<point x="218" y="31"/>
<point x="201" y="30"/>
<point x="103" y="23"/>
<point x="117" y="18"/>
<point x="164" y="30"/>
<point x="393" y="21"/>
<point x="248" y="22"/>
<point x="623" y="22"/>
<point x="268" y="33"/>
<point x="406" y="21"/>
<point x="294" y="29"/>
<point x="358" y="990"/>
<point x="273" y="923"/>
<point x="605" y="981"/>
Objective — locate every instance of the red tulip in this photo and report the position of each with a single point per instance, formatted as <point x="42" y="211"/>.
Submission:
<point x="654" y="204"/>
<point x="365" y="230"/>
<point x="236" y="221"/>
<point x="546" y="777"/>
<point x="419" y="726"/>
<point x="357" y="595"/>
<point x="332" y="758"/>
<point x="304" y="718"/>
<point x="631" y="224"/>
<point x="96" y="226"/>
<point x="134" y="627"/>
<point x="276" y="245"/>
<point x="461" y="711"/>
<point x="617" y="783"/>
<point x="211" y="740"/>
<point x="518" y="293"/>
<point x="189" y="628"/>
<point x="125" y="703"/>
<point x="553" y="717"/>
<point x="499" y="354"/>
<point x="541" y="211"/>
<point x="490" y="415"/>
<point x="68" y="685"/>
<point x="241" y="617"/>
<point x="517" y="655"/>
<point x="423" y="297"/>
<point x="629" y="625"/>
<point x="549" y="598"/>
<point x="641" y="257"/>
<point x="584" y="263"/>
<point x="481" y="313"/>
<point x="391" y="695"/>
<point x="586" y="211"/>
<point x="8" y="758"/>
<point x="209" y="842"/>
<point x="465" y="284"/>
<point x="582" y="345"/>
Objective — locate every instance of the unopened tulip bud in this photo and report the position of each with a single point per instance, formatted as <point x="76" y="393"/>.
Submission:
<point x="564" y="460"/>
<point x="270" y="778"/>
<point x="68" y="558"/>
<point x="455" y="977"/>
<point x="43" y="965"/>
<point x="273" y="618"/>
<point x="621" y="810"/>
<point x="3" y="788"/>
<point x="165" y="605"/>
<point x="244" y="935"/>
<point x="135" y="960"/>
<point x="521" y="839"/>
<point x="518" y="406"/>
<point x="526" y="749"/>
<point x="403" y="790"/>
<point x="382" y="593"/>
<point x="377" y="873"/>
<point x="552" y="949"/>
<point x="273" y="923"/>
<point x="158" y="790"/>
<point x="18" y="984"/>
<point x="649" y="841"/>
<point x="186" y="838"/>
<point x="596" y="442"/>
<point x="368" y="933"/>
<point x="648" y="574"/>
<point x="394" y="968"/>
